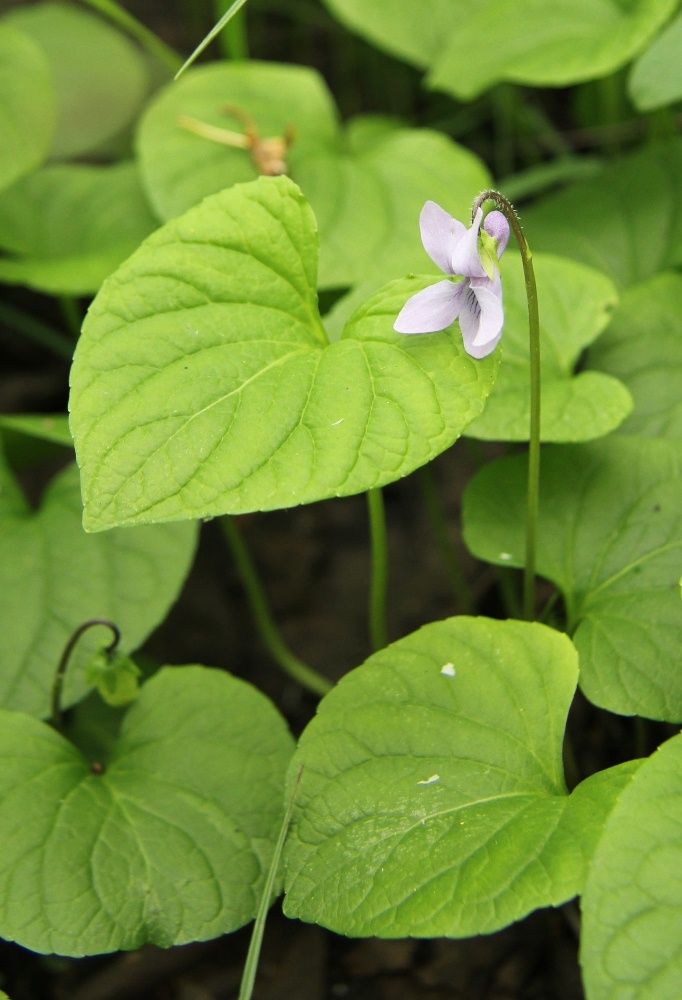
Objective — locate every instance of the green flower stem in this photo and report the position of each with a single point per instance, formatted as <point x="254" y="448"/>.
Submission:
<point x="234" y="40"/>
<point x="146" y="38"/>
<point x="251" y="964"/>
<point x="439" y="526"/>
<point x="56" y="706"/>
<point x="37" y="331"/>
<point x="509" y="211"/>
<point x="262" y="617"/>
<point x="378" y="631"/>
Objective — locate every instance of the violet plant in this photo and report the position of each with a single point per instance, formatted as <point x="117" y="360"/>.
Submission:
<point x="255" y="343"/>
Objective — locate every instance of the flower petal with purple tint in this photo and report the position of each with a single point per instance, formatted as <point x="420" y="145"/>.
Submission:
<point x="496" y="225"/>
<point x="439" y="233"/>
<point x="432" y="309"/>
<point x="482" y="316"/>
<point x="466" y="259"/>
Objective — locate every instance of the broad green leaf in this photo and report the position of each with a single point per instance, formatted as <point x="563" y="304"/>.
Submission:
<point x="432" y="800"/>
<point x="100" y="78"/>
<point x="366" y="184"/>
<point x="655" y="79"/>
<point x="610" y="537"/>
<point x="53" y="577"/>
<point x="575" y="304"/>
<point x="169" y="843"/>
<point x="223" y="393"/>
<point x="632" y="905"/>
<point x="642" y="347"/>
<point x="469" y="47"/>
<point x="626" y="222"/>
<point x="53" y="427"/>
<point x="65" y="228"/>
<point x="27" y="106"/>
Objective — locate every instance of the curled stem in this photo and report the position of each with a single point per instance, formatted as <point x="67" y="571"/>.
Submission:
<point x="532" y="504"/>
<point x="56" y="715"/>
<point x="264" y="621"/>
<point x="378" y="631"/>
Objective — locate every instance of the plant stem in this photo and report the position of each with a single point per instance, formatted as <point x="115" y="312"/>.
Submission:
<point x="234" y="9"/>
<point x="234" y="41"/>
<point x="56" y="707"/>
<point x="439" y="526"/>
<point x="378" y="586"/>
<point x="532" y="505"/>
<point x="263" y="620"/>
<point x="146" y="38"/>
<point x="253" y="954"/>
<point x="37" y="331"/>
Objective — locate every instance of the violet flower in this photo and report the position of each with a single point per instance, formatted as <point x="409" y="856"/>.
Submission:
<point x="476" y="300"/>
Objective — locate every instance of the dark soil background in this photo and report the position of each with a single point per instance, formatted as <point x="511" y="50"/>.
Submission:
<point x="315" y="565"/>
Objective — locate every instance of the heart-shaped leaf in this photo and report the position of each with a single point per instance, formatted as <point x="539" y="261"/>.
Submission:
<point x="223" y="393"/>
<point x="575" y="305"/>
<point x="610" y="537"/>
<point x="53" y="577"/>
<point x="632" y="906"/>
<point x="366" y="184"/>
<point x="469" y="47"/>
<point x="99" y="77"/>
<point x="627" y="221"/>
<point x="65" y="228"/>
<point x="655" y="79"/>
<point x="642" y="346"/>
<point x="166" y="842"/>
<point x="27" y="105"/>
<point x="432" y="800"/>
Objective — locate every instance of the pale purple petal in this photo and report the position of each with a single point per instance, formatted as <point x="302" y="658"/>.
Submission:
<point x="496" y="225"/>
<point x="432" y="309"/>
<point x="482" y="317"/>
<point x="439" y="232"/>
<point x="465" y="258"/>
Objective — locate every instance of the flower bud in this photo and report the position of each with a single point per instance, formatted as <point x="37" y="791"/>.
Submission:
<point x="496" y="225"/>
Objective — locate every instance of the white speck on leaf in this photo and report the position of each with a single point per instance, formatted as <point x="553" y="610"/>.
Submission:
<point x="448" y="669"/>
<point x="430" y="781"/>
<point x="337" y="422"/>
<point x="505" y="555"/>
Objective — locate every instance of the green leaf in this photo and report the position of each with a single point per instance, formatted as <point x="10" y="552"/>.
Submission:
<point x="170" y="844"/>
<point x="223" y="393"/>
<point x="27" y="106"/>
<point x="469" y="47"/>
<point x="53" y="577"/>
<point x="100" y="78"/>
<point x="575" y="304"/>
<point x="632" y="906"/>
<point x="366" y="184"/>
<point x="655" y="79"/>
<point x="65" y="228"/>
<point x="432" y="801"/>
<point x="642" y="346"/>
<point x="53" y="427"/>
<point x="115" y="677"/>
<point x="609" y="536"/>
<point x="627" y="222"/>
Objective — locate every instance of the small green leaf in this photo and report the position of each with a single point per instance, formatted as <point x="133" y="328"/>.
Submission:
<point x="27" y="106"/>
<point x="632" y="903"/>
<point x="575" y="305"/>
<point x="642" y="346"/>
<point x="166" y="842"/>
<point x="65" y="228"/>
<point x="469" y="47"/>
<point x="100" y="78"/>
<point x="366" y="184"/>
<point x="432" y="801"/>
<point x="625" y="222"/>
<point x="116" y="677"/>
<point x="610" y="537"/>
<point x="53" y="577"/>
<point x="52" y="427"/>
<point x="655" y="79"/>
<point x="223" y="393"/>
